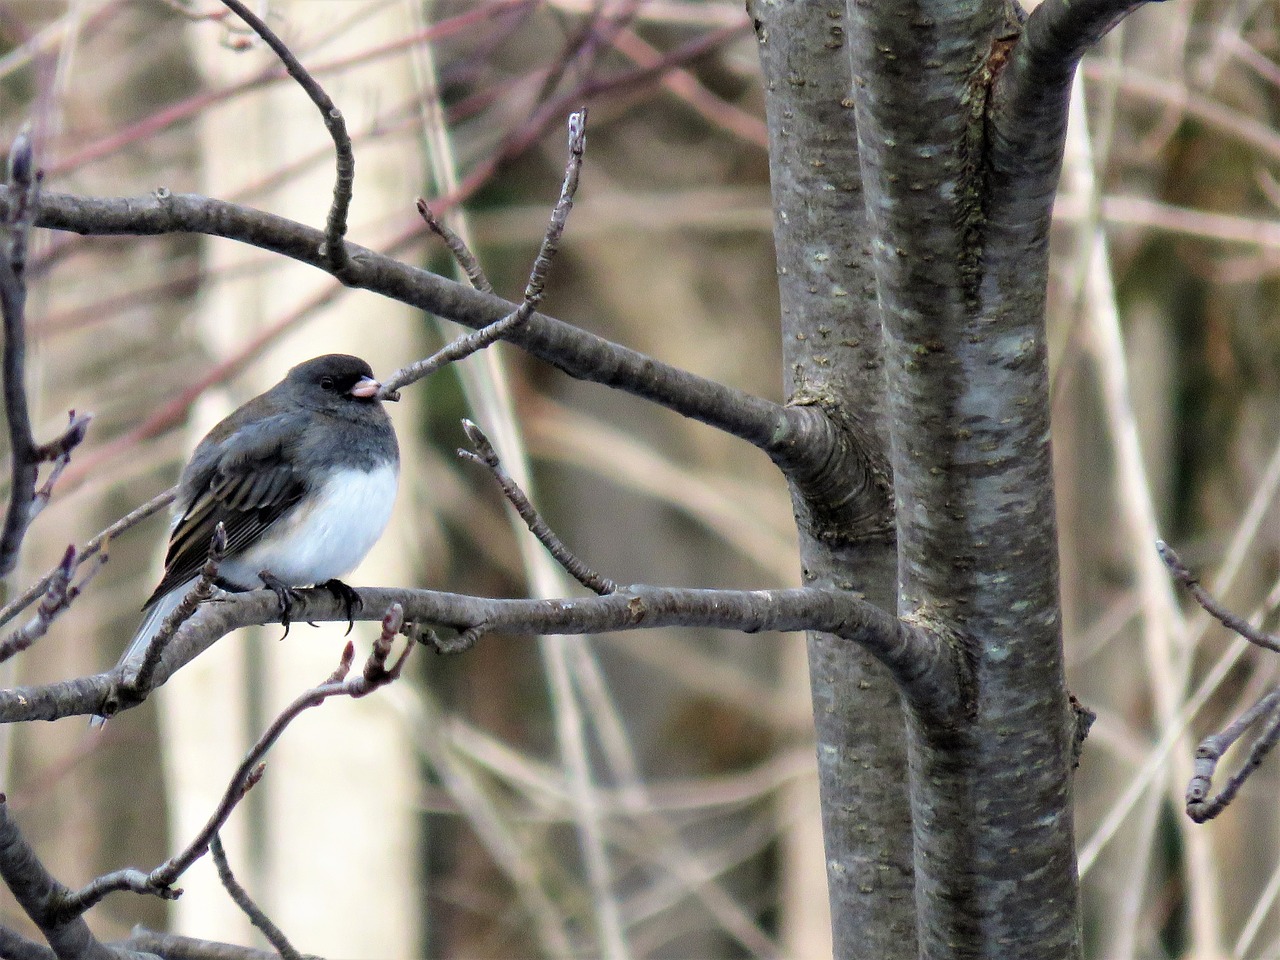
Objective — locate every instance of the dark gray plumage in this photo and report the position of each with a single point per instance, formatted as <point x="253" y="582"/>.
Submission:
<point x="303" y="477"/>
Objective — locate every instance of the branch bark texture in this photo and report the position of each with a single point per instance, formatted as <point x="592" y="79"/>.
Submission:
<point x="833" y="364"/>
<point x="915" y="660"/>
<point x="960" y="220"/>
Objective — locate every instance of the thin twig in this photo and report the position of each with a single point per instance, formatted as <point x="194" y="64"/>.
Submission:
<point x="240" y="896"/>
<point x="376" y="672"/>
<point x="452" y="352"/>
<point x="335" y="227"/>
<point x="487" y="335"/>
<point x="13" y="298"/>
<point x="60" y="460"/>
<point x="251" y="768"/>
<point x="59" y="594"/>
<point x="1231" y="621"/>
<point x="457" y="246"/>
<point x="560" y="213"/>
<point x="451" y="646"/>
<point x="91" y="549"/>
<point x="486" y="456"/>
<point x="55" y="598"/>
<point x="1200" y="806"/>
<point x="159" y="882"/>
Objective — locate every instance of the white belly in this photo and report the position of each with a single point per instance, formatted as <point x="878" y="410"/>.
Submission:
<point x="329" y="537"/>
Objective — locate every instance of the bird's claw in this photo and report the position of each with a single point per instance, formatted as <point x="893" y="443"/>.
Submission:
<point x="285" y="594"/>
<point x="349" y="598"/>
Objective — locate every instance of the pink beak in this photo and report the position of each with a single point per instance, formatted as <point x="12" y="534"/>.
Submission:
<point x="366" y="387"/>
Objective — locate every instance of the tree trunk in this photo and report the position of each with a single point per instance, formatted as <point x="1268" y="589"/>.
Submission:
<point x="833" y="359"/>
<point x="960" y="120"/>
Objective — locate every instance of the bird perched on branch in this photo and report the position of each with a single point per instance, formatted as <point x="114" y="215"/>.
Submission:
<point x="302" y="478"/>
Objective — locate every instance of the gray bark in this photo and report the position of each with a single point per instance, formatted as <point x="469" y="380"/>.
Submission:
<point x="833" y="362"/>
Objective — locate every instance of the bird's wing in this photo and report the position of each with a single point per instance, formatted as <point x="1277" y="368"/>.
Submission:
<point x="245" y="481"/>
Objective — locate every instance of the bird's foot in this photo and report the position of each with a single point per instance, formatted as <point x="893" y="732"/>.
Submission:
<point x="285" y="594"/>
<point x="347" y="595"/>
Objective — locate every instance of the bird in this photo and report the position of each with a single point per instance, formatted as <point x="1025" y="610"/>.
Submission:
<point x="302" y="477"/>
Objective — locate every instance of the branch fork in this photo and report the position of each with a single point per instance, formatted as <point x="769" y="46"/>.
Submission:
<point x="1201" y="803"/>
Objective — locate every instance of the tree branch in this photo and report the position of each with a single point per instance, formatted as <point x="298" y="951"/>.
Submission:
<point x="1200" y="806"/>
<point x="25" y="462"/>
<point x="159" y="882"/>
<point x="59" y="594"/>
<point x="487" y="457"/>
<point x="1059" y="33"/>
<point x="91" y="549"/>
<point x="931" y="672"/>
<point x="457" y="246"/>
<point x="334" y="248"/>
<point x="42" y="897"/>
<point x="59" y="913"/>
<point x="1236" y="624"/>
<point x="171" y="946"/>
<point x="25" y="501"/>
<point x="14" y="946"/>
<point x="799" y="439"/>
<point x="1032" y="85"/>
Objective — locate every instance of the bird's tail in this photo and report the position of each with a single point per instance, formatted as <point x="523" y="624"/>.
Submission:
<point x="147" y="630"/>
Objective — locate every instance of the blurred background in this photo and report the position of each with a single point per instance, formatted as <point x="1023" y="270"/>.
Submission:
<point x="654" y="789"/>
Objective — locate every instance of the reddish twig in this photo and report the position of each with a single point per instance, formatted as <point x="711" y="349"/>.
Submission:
<point x="59" y="594"/>
<point x="91" y="549"/>
<point x="159" y="882"/>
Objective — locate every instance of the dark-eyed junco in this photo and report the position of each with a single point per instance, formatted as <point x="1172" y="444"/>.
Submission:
<point x="303" y="477"/>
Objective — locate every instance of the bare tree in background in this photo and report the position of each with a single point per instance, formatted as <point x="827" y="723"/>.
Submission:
<point x="914" y="155"/>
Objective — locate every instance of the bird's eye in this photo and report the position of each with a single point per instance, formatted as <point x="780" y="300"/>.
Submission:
<point x="326" y="383"/>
